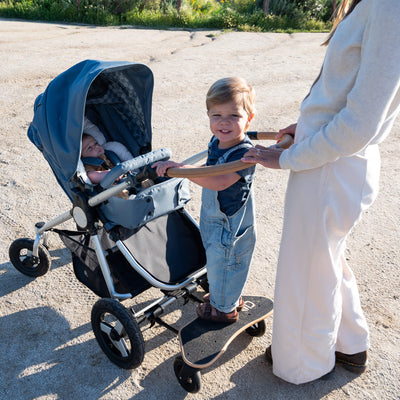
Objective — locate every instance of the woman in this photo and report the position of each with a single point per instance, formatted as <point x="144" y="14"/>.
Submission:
<point x="334" y="165"/>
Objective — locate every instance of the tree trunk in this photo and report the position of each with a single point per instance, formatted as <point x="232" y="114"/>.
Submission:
<point x="178" y="5"/>
<point x="266" y="6"/>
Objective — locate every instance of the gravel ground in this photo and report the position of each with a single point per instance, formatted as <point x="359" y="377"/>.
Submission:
<point x="48" y="348"/>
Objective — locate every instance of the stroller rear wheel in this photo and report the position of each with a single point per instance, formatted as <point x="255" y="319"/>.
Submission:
<point x="117" y="333"/>
<point x="20" y="253"/>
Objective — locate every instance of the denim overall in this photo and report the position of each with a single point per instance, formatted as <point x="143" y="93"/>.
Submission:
<point x="229" y="243"/>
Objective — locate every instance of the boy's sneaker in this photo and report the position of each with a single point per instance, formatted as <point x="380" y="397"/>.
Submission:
<point x="356" y="363"/>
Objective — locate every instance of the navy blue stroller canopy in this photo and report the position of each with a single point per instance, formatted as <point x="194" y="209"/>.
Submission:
<point x="115" y="96"/>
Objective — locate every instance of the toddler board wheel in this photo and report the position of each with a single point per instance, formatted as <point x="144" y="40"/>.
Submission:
<point x="258" y="329"/>
<point x="117" y="333"/>
<point x="20" y="253"/>
<point x="189" y="378"/>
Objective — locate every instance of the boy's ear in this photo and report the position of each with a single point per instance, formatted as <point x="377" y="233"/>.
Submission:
<point x="250" y="117"/>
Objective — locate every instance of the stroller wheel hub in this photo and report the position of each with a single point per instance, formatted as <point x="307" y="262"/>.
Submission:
<point x="114" y="335"/>
<point x="80" y="217"/>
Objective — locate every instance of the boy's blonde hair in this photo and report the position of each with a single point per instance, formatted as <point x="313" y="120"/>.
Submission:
<point x="234" y="89"/>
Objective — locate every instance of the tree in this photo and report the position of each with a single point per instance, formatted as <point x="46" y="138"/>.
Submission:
<point x="266" y="6"/>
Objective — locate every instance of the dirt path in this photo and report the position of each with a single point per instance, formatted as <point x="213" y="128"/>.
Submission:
<point x="47" y="345"/>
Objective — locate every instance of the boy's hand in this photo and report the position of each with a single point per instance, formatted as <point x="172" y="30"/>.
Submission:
<point x="162" y="166"/>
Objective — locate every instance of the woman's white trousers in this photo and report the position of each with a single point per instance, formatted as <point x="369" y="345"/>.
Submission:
<point x="317" y="309"/>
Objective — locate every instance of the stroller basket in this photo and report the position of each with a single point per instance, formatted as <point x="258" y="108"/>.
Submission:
<point x="87" y="268"/>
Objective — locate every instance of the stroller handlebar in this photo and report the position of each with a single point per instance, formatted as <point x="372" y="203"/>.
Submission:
<point x="135" y="163"/>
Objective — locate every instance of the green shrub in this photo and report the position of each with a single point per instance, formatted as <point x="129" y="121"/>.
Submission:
<point x="246" y="15"/>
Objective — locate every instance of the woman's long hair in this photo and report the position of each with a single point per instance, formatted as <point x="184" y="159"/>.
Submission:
<point x="345" y="8"/>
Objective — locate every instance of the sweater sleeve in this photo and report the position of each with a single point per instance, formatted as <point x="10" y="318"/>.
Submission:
<point x="372" y="102"/>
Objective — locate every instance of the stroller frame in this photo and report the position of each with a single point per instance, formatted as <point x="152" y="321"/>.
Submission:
<point x="116" y="327"/>
<point x="37" y="256"/>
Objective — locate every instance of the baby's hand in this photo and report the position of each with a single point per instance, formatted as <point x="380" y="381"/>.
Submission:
<point x="96" y="176"/>
<point x="162" y="166"/>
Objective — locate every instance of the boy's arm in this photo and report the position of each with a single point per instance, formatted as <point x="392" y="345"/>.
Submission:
<point x="217" y="183"/>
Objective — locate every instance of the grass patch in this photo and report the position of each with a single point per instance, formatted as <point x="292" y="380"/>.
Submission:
<point x="240" y="15"/>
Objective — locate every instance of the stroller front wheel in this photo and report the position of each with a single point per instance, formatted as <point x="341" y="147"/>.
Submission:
<point x="117" y="333"/>
<point x="20" y="253"/>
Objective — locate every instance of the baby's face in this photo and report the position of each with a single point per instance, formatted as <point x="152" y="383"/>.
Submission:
<point x="90" y="148"/>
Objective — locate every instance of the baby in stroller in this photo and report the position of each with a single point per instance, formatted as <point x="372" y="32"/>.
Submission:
<point x="96" y="169"/>
<point x="99" y="157"/>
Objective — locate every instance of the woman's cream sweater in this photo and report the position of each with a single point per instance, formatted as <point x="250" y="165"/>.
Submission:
<point x="354" y="101"/>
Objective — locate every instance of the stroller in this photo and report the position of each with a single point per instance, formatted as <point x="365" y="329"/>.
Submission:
<point x="120" y="247"/>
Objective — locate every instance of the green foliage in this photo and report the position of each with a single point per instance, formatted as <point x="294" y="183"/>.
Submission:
<point x="244" y="15"/>
<point x="298" y="9"/>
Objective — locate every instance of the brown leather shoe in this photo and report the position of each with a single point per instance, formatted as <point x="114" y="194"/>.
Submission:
<point x="356" y="363"/>
<point x="206" y="299"/>
<point x="268" y="354"/>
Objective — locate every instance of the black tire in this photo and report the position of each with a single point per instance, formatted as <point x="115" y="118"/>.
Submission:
<point x="203" y="282"/>
<point x="258" y="329"/>
<point x="117" y="333"/>
<point x="188" y="378"/>
<point x="20" y="253"/>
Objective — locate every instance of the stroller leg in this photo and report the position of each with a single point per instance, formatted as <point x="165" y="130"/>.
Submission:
<point x="42" y="228"/>
<point x="106" y="270"/>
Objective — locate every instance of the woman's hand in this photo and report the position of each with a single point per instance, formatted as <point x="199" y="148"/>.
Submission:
<point x="268" y="157"/>
<point x="289" y="130"/>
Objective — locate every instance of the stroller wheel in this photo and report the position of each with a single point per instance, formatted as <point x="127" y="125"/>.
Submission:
<point x="203" y="282"/>
<point x="20" y="253"/>
<point x="118" y="333"/>
<point x="258" y="329"/>
<point x="188" y="377"/>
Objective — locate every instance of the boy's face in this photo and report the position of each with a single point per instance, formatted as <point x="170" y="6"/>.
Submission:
<point x="90" y="148"/>
<point x="229" y="122"/>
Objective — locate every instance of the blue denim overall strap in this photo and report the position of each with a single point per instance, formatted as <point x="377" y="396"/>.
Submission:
<point x="229" y="243"/>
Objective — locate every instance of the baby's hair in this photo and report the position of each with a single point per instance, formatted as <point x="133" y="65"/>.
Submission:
<point x="85" y="136"/>
<point x="234" y="89"/>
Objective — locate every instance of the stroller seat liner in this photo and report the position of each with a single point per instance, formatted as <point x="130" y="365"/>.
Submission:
<point x="169" y="248"/>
